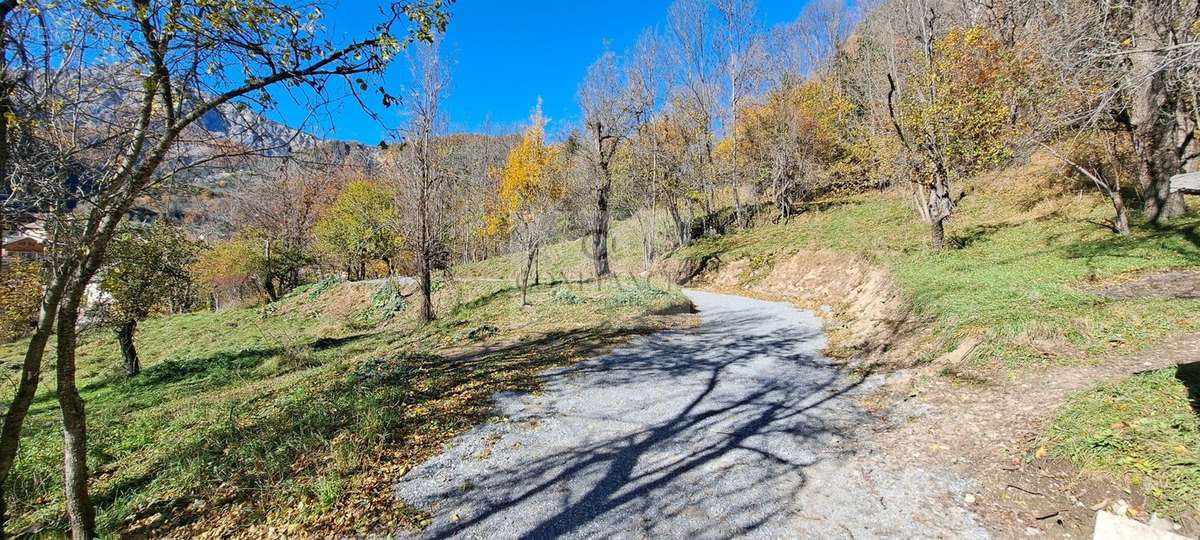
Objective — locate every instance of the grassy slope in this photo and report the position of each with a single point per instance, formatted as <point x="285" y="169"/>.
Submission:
<point x="1031" y="246"/>
<point x="569" y="259"/>
<point x="301" y="414"/>
<point x="1146" y="427"/>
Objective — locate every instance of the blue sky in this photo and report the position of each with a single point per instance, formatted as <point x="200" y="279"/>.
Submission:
<point x="504" y="54"/>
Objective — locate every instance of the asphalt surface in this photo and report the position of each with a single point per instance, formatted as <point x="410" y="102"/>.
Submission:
<point x="735" y="428"/>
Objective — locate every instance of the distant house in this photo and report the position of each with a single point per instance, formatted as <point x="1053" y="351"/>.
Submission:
<point x="28" y="242"/>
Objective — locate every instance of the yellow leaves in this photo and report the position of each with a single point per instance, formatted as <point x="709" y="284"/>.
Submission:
<point x="529" y="177"/>
<point x="20" y="295"/>
<point x="967" y="97"/>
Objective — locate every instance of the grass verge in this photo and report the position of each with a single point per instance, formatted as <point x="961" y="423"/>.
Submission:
<point x="1145" y="429"/>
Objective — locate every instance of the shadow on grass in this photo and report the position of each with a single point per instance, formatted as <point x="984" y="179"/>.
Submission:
<point x="229" y="449"/>
<point x="1189" y="375"/>
<point x="977" y="233"/>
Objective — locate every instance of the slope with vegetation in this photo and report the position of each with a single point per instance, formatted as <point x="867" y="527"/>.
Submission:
<point x="1024" y="288"/>
<point x="299" y="414"/>
<point x="1031" y="248"/>
<point x="937" y="177"/>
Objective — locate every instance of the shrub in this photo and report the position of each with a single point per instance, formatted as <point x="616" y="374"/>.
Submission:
<point x="563" y="295"/>
<point x="321" y="287"/>
<point x="638" y="294"/>
<point x="388" y="299"/>
<point x="20" y="294"/>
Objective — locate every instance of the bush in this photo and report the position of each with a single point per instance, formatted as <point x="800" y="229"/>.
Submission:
<point x="386" y="371"/>
<point x="482" y="331"/>
<point x="563" y="295"/>
<point x="638" y="294"/>
<point x="321" y="287"/>
<point x="20" y="294"/>
<point x="388" y="299"/>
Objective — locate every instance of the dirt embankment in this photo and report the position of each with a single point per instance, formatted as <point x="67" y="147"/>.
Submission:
<point x="867" y="315"/>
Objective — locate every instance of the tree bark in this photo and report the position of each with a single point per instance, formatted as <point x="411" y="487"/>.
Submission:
<point x="129" y="353"/>
<point x="1121" y="221"/>
<point x="530" y="255"/>
<point x="268" y="288"/>
<point x="939" y="207"/>
<point x="937" y="230"/>
<point x="1152" y="114"/>
<point x="682" y="227"/>
<point x="31" y="371"/>
<point x="600" y="234"/>
<point x="80" y="512"/>
<point x="426" y="279"/>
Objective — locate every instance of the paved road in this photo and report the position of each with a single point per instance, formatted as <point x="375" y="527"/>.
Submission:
<point x="734" y="428"/>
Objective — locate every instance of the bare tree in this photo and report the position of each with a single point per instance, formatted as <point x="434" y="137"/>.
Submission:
<point x="422" y="175"/>
<point x="694" y="98"/>
<point x="1142" y="56"/>
<point x="612" y="108"/>
<point x="743" y="56"/>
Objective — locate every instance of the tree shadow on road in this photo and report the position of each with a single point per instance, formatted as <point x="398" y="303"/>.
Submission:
<point x="748" y="414"/>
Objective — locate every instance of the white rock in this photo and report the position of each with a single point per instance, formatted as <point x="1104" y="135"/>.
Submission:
<point x="1110" y="526"/>
<point x="1161" y="523"/>
<point x="1186" y="182"/>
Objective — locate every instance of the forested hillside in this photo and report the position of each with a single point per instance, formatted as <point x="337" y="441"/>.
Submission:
<point x="218" y="324"/>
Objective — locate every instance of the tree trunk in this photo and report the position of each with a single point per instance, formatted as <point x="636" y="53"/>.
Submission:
<point x="530" y="255"/>
<point x="31" y="372"/>
<point x="128" y="351"/>
<point x="937" y="230"/>
<point x="80" y="512"/>
<point x="939" y="207"/>
<point x="600" y="233"/>
<point x="426" y="279"/>
<point x="267" y="284"/>
<point x="682" y="227"/>
<point x="1152" y="114"/>
<point x="1121" y="221"/>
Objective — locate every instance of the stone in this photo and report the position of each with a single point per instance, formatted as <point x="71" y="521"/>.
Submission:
<point x="1161" y="523"/>
<point x="1186" y="183"/>
<point x="1110" y="526"/>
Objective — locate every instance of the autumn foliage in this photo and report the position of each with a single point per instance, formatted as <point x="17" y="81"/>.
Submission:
<point x="528" y="183"/>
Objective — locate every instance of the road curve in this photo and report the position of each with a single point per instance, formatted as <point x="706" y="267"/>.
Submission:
<point x="735" y="428"/>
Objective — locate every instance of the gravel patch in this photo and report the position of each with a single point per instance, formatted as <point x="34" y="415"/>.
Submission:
<point x="738" y="427"/>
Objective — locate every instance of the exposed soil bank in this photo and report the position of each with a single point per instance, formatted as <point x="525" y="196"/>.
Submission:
<point x="866" y="313"/>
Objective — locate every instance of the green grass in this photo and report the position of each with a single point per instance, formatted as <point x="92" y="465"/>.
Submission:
<point x="570" y="260"/>
<point x="1030" y="246"/>
<point x="1027" y="257"/>
<point x="304" y="411"/>
<point x="1145" y="428"/>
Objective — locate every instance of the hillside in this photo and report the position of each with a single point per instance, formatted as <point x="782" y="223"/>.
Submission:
<point x="1038" y="303"/>
<point x="298" y="415"/>
<point x="328" y="395"/>
<point x="1033" y="252"/>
